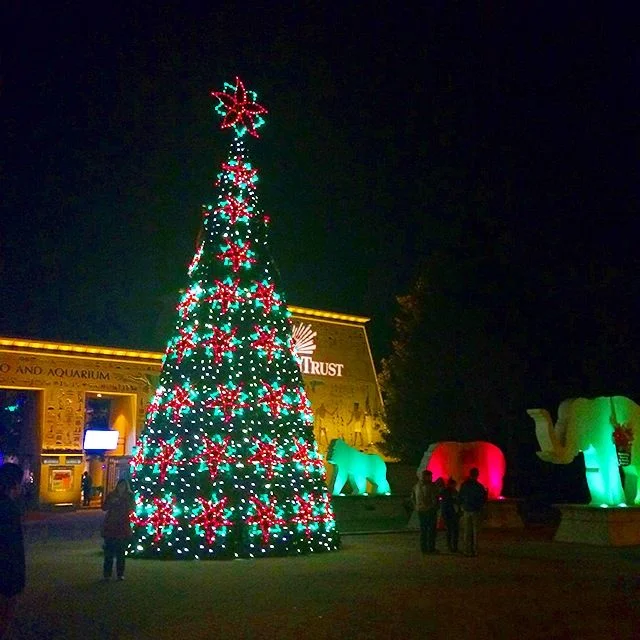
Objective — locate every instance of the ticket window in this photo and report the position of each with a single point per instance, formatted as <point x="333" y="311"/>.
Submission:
<point x="60" y="479"/>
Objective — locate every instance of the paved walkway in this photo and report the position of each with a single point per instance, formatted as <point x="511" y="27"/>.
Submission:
<point x="378" y="586"/>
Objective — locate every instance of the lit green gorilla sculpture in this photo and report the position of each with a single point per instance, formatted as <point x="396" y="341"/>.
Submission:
<point x="356" y="467"/>
<point x="587" y="425"/>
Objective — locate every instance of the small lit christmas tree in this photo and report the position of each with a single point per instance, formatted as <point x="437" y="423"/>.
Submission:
<point x="227" y="464"/>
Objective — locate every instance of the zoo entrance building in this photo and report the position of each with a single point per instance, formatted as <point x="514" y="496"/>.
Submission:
<point x="51" y="393"/>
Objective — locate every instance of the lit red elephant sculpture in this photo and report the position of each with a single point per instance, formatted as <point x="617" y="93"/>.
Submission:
<point x="454" y="460"/>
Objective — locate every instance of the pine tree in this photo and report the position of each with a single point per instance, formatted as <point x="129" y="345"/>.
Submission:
<point x="227" y="464"/>
<point x="454" y="372"/>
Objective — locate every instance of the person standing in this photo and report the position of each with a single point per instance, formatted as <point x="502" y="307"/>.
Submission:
<point x="86" y="485"/>
<point x="426" y="499"/>
<point x="116" y="529"/>
<point x="473" y="497"/>
<point x="12" y="565"/>
<point x="450" y="509"/>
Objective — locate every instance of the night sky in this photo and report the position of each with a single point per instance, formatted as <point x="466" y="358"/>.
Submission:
<point x="392" y="133"/>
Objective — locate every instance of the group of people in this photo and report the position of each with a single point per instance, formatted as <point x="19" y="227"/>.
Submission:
<point x="433" y="498"/>
<point x="430" y="499"/>
<point x="116" y="532"/>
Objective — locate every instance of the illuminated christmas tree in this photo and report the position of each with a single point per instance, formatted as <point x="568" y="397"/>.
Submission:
<point x="227" y="464"/>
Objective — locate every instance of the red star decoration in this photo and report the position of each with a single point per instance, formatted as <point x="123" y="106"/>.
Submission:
<point x="266" y="341"/>
<point x="214" y="454"/>
<point x="185" y="343"/>
<point x="324" y="510"/>
<point x="138" y="457"/>
<point x="302" y="405"/>
<point x="211" y="518"/>
<point x="304" y="513"/>
<point x="225" y="294"/>
<point x="272" y="397"/>
<point x="241" y="173"/>
<point x="220" y="341"/>
<point x="179" y="403"/>
<point x="228" y="400"/>
<point x="238" y="254"/>
<point x="265" y="517"/>
<point x="189" y="300"/>
<point x="166" y="457"/>
<point x="235" y="210"/>
<point x="307" y="457"/>
<point x="239" y="109"/>
<point x="267" y="456"/>
<point x="159" y="519"/>
<point x="154" y="406"/>
<point x="266" y="294"/>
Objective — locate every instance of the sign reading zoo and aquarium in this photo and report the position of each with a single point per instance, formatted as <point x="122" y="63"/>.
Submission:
<point x="56" y="372"/>
<point x="303" y="346"/>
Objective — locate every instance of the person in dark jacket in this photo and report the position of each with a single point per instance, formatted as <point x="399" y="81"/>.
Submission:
<point x="473" y="497"/>
<point x="86" y="485"/>
<point x="12" y="566"/>
<point x="425" y="498"/>
<point x="450" y="510"/>
<point x="116" y="529"/>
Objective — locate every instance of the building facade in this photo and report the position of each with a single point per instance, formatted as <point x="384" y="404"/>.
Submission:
<point x="52" y="393"/>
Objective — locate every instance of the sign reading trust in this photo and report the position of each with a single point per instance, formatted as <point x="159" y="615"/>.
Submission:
<point x="304" y="345"/>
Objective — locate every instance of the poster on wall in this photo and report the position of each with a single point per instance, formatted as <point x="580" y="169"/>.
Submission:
<point x="60" y="479"/>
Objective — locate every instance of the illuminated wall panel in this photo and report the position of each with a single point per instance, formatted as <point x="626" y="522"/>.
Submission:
<point x="334" y="357"/>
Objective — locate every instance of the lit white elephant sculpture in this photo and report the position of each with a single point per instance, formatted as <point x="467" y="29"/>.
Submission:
<point x="587" y="425"/>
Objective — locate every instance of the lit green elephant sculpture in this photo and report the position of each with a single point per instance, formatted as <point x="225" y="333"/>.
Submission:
<point x="587" y="425"/>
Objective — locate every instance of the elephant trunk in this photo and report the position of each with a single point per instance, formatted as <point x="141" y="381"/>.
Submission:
<point x="552" y="450"/>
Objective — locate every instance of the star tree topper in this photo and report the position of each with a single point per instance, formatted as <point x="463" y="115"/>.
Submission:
<point x="239" y="109"/>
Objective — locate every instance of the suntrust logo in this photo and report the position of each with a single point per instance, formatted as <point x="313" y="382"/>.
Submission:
<point x="303" y="346"/>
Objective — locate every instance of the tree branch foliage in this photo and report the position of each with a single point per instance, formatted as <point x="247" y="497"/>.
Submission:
<point x="451" y="374"/>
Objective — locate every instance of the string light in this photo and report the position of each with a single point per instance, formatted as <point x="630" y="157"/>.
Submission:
<point x="227" y="465"/>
